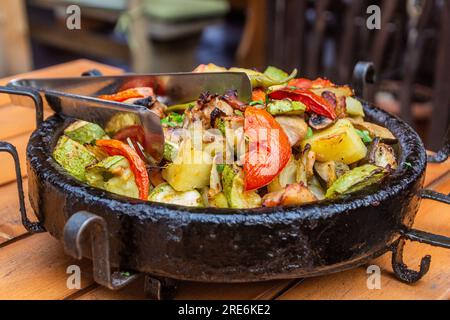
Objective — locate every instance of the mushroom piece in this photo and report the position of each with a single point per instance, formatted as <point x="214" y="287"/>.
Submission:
<point x="381" y="155"/>
<point x="305" y="165"/>
<point x="375" y="131"/>
<point x="319" y="122"/>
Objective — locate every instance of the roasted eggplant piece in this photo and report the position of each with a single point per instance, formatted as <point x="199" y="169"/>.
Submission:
<point x="356" y="179"/>
<point x="85" y="132"/>
<point x="73" y="157"/>
<point x="164" y="193"/>
<point x="375" y="131"/>
<point x="113" y="174"/>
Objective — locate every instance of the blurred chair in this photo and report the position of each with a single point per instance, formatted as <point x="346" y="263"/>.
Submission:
<point x="410" y="51"/>
<point x="163" y="34"/>
<point x="15" y="55"/>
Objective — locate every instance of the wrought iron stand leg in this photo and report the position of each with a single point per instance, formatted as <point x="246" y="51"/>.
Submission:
<point x="160" y="288"/>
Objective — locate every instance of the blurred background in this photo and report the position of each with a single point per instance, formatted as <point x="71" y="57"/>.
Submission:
<point x="411" y="50"/>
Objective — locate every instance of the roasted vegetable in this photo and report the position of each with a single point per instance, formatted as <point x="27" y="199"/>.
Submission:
<point x="269" y="148"/>
<point x="295" y="128"/>
<point x="338" y="143"/>
<point x="314" y="103"/>
<point x="326" y="171"/>
<point x="375" y="130"/>
<point x="293" y="195"/>
<point x="114" y="175"/>
<point x="218" y="201"/>
<point x="305" y="165"/>
<point x="181" y="107"/>
<point x="116" y="147"/>
<point x="84" y="132"/>
<point x="319" y="122"/>
<point x="164" y="193"/>
<point x="356" y="179"/>
<point x="173" y="120"/>
<point x="261" y="80"/>
<point x="342" y="91"/>
<point x="170" y="151"/>
<point x="120" y="121"/>
<point x="286" y="177"/>
<point x="73" y="157"/>
<point x="286" y="107"/>
<point x="233" y="186"/>
<point x="381" y="155"/>
<point x="353" y="107"/>
<point x="190" y="170"/>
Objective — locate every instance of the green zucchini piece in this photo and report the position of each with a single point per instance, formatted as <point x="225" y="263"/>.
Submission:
<point x="113" y="174"/>
<point x="85" y="132"/>
<point x="258" y="79"/>
<point x="233" y="186"/>
<point x="356" y="179"/>
<point x="73" y="157"/>
<point x="286" y="107"/>
<point x="218" y="201"/>
<point x="164" y="193"/>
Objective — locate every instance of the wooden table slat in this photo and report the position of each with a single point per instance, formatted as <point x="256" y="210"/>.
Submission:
<point x="432" y="216"/>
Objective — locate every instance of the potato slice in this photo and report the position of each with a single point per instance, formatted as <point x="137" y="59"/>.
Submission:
<point x="190" y="170"/>
<point x="337" y="143"/>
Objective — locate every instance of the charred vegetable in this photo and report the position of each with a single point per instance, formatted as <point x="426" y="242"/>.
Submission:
<point x="382" y="155"/>
<point x="166" y="194"/>
<point x="354" y="107"/>
<point x="73" y="157"/>
<point x="356" y="179"/>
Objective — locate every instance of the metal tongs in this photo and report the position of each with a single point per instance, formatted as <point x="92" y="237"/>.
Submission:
<point x="76" y="97"/>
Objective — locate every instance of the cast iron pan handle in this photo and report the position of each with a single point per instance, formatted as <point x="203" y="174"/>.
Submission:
<point x="84" y="226"/>
<point x="441" y="155"/>
<point x="363" y="74"/>
<point x="33" y="227"/>
<point x="400" y="268"/>
<point x="30" y="93"/>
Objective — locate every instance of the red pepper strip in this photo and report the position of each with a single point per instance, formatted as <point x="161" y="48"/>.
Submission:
<point x="313" y="102"/>
<point x="269" y="148"/>
<point x="116" y="147"/>
<point x="259" y="95"/>
<point x="122" y="95"/>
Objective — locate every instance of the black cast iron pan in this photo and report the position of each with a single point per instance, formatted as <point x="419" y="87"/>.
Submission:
<point x="218" y="245"/>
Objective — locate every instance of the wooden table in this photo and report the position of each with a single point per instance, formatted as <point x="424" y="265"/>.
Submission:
<point x="34" y="266"/>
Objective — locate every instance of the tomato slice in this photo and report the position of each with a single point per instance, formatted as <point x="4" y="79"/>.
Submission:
<point x="115" y="147"/>
<point x="269" y="148"/>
